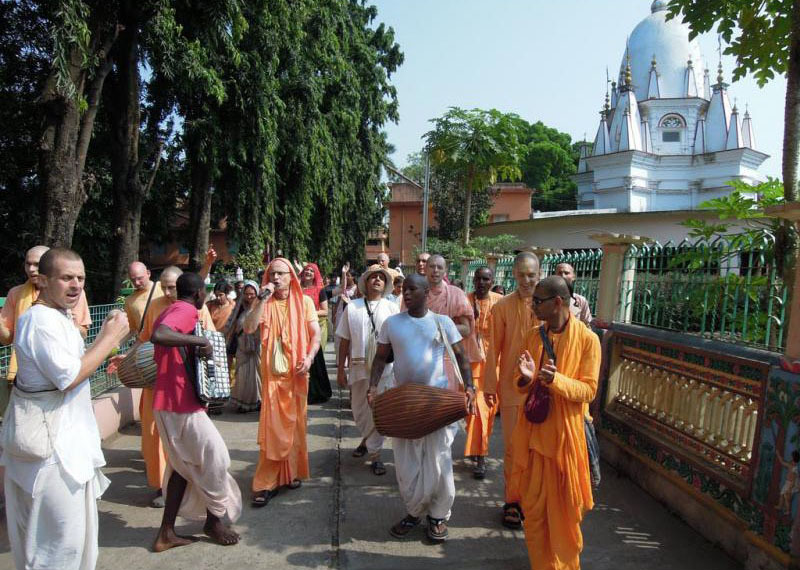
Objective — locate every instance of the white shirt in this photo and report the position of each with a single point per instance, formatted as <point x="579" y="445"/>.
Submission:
<point x="355" y="326"/>
<point x="49" y="349"/>
<point x="418" y="347"/>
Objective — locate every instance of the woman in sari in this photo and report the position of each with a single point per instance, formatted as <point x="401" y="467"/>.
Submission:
<point x="319" y="385"/>
<point x="246" y="391"/>
<point x="290" y="339"/>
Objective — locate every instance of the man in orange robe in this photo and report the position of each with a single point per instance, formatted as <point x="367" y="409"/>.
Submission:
<point x="550" y="475"/>
<point x="290" y="338"/>
<point x="135" y="303"/>
<point x="479" y="426"/>
<point x="19" y="300"/>
<point x="512" y="318"/>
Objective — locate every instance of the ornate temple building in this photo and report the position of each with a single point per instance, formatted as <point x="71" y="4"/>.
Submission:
<point x="669" y="138"/>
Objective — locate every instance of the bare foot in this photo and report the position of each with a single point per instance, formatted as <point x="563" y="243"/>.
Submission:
<point x="167" y="539"/>
<point x="220" y="533"/>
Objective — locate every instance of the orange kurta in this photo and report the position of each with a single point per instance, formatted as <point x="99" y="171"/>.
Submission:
<point x="220" y="313"/>
<point x="155" y="458"/>
<point x="550" y="475"/>
<point x="479" y="426"/>
<point x="283" y="453"/>
<point x="512" y="318"/>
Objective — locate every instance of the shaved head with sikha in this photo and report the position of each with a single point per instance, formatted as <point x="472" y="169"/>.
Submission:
<point x="526" y="273"/>
<point x="554" y="285"/>
<point x="139" y="275"/>
<point x="32" y="257"/>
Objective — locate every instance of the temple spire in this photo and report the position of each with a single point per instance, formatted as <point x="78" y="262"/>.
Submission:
<point x="748" y="136"/>
<point x="689" y="80"/>
<point x="653" y="89"/>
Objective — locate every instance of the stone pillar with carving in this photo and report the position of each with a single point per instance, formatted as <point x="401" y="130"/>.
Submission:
<point x="615" y="278"/>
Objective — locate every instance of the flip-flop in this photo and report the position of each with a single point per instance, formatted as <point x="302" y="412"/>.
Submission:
<point x="360" y="451"/>
<point x="262" y="498"/>
<point x="295" y="484"/>
<point x="378" y="468"/>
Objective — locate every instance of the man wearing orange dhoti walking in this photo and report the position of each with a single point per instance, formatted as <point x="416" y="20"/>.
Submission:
<point x="290" y="339"/>
<point x="200" y="485"/>
<point x="19" y="300"/>
<point x="512" y="318"/>
<point x="550" y="474"/>
<point x="479" y="426"/>
<point x="155" y="460"/>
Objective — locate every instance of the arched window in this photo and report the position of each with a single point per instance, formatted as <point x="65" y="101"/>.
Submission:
<point x="671" y="126"/>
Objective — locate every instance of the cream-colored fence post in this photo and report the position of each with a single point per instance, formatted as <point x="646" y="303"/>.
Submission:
<point x="614" y="276"/>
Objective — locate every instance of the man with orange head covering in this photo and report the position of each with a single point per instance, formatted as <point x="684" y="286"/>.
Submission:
<point x="550" y="472"/>
<point x="290" y="339"/>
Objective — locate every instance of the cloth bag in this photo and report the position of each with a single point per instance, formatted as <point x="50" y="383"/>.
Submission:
<point x="537" y="405"/>
<point x="31" y="423"/>
<point x="279" y="363"/>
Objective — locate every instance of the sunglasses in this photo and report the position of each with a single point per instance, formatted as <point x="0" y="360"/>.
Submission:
<point x="538" y="301"/>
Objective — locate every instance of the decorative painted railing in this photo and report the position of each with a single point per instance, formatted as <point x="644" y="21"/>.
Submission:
<point x="703" y="410"/>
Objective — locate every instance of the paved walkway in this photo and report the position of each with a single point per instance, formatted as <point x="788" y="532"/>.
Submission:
<point x="340" y="518"/>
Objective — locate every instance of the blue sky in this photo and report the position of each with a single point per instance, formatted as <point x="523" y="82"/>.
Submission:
<point x="542" y="59"/>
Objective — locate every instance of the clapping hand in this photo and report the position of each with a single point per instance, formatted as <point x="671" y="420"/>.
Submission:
<point x="548" y="372"/>
<point x="527" y="367"/>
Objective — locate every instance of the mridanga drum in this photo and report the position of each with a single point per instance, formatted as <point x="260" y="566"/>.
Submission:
<point x="412" y="411"/>
<point x="138" y="368"/>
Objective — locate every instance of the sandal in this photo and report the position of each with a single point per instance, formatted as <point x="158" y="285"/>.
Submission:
<point x="378" y="468"/>
<point x="479" y="471"/>
<point x="360" y="451"/>
<point x="437" y="529"/>
<point x="512" y="516"/>
<point x="295" y="484"/>
<point x="405" y="526"/>
<point x="261" y="498"/>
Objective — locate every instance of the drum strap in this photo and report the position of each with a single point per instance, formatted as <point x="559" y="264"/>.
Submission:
<point x="449" y="348"/>
<point x="146" y="306"/>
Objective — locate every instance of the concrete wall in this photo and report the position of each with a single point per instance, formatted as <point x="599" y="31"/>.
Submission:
<point x="116" y="409"/>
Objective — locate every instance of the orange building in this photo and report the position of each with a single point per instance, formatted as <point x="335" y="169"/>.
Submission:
<point x="512" y="203"/>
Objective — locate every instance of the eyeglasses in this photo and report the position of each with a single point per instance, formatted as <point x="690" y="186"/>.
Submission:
<point x="537" y="301"/>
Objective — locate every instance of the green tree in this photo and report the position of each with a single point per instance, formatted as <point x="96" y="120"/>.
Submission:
<point x="549" y="160"/>
<point x="765" y="39"/>
<point x="477" y="147"/>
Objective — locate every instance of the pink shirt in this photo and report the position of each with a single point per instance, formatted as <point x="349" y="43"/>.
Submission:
<point x="174" y="390"/>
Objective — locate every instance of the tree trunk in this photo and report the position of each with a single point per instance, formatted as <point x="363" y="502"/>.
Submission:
<point x="787" y="238"/>
<point x="199" y="207"/>
<point x="65" y="143"/>
<point x="122" y="104"/>
<point x="468" y="208"/>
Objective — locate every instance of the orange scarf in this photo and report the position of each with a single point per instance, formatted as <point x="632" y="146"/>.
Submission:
<point x="27" y="296"/>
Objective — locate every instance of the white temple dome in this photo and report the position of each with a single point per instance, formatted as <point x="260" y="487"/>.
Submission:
<point x="666" y="41"/>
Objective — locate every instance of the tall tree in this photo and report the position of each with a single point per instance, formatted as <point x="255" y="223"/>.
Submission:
<point x="549" y="160"/>
<point x="83" y="35"/>
<point x="479" y="147"/>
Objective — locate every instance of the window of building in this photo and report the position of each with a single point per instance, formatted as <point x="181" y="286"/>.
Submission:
<point x="671" y="136"/>
<point x="671" y="126"/>
<point x="499" y="218"/>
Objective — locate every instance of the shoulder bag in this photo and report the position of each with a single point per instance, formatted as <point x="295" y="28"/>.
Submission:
<point x="31" y="422"/>
<point x="537" y="405"/>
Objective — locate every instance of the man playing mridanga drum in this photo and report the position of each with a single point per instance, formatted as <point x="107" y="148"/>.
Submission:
<point x="358" y="330"/>
<point x="424" y="466"/>
<point x="53" y="481"/>
<point x="199" y="485"/>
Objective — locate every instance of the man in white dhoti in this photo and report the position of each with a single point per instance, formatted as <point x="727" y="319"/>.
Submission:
<point x="358" y="333"/>
<point x="424" y="466"/>
<point x="52" y="491"/>
<point x="198" y="483"/>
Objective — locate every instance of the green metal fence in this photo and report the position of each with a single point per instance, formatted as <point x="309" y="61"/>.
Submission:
<point x="723" y="289"/>
<point x="100" y="380"/>
<point x="586" y="263"/>
<point x="504" y="274"/>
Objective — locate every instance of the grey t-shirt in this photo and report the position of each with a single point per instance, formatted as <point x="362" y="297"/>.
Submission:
<point x="418" y="347"/>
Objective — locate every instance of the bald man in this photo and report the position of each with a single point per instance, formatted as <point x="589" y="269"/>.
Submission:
<point x="383" y="261"/>
<point x="19" y="300"/>
<point x="512" y="319"/>
<point x="578" y="305"/>
<point x="136" y="302"/>
<point x="550" y="474"/>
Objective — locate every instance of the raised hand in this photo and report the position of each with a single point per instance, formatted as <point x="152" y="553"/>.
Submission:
<point x="527" y="367"/>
